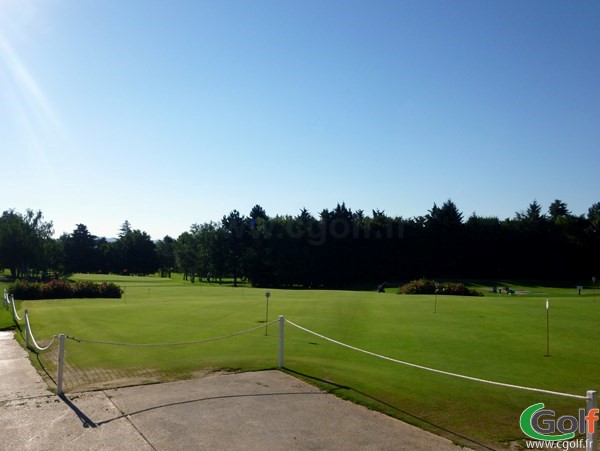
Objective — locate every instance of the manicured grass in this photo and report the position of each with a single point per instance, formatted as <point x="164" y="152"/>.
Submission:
<point x="497" y="337"/>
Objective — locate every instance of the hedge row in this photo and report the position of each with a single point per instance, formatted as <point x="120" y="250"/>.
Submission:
<point x="426" y="286"/>
<point x="60" y="289"/>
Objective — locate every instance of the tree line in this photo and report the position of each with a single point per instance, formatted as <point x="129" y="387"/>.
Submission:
<point x="340" y="247"/>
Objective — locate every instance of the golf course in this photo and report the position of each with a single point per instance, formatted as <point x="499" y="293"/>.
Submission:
<point x="497" y="337"/>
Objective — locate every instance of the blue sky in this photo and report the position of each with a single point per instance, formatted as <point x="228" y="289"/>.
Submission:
<point x="173" y="113"/>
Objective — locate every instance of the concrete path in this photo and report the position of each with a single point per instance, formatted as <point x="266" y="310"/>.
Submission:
<point x="18" y="379"/>
<point x="267" y="410"/>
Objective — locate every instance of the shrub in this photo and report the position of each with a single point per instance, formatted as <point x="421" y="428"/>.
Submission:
<point x="22" y="289"/>
<point x="110" y="290"/>
<point x="57" y="289"/>
<point x="85" y="289"/>
<point x="421" y="286"/>
<point x="425" y="286"/>
<point x="60" y="289"/>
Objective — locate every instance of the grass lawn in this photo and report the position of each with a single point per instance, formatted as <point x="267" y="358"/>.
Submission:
<point x="497" y="337"/>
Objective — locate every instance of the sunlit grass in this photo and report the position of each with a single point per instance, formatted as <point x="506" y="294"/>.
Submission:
<point x="497" y="337"/>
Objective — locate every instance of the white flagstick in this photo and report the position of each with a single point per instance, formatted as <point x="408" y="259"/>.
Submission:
<point x="547" y="328"/>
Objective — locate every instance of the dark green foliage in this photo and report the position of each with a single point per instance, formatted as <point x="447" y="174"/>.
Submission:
<point x="426" y="286"/>
<point x="22" y="289"/>
<point x="80" y="251"/>
<point x="56" y="289"/>
<point x="420" y="286"/>
<point x="458" y="289"/>
<point x="338" y="248"/>
<point x="60" y="289"/>
<point x="135" y="252"/>
<point x="558" y="209"/>
<point x="109" y="290"/>
<point x="594" y="218"/>
<point x="165" y="249"/>
<point x="24" y="242"/>
<point x="186" y="254"/>
<point x="236" y="229"/>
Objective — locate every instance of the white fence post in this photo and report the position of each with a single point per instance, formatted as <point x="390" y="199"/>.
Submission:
<point x="27" y="328"/>
<point x="61" y="360"/>
<point x="281" y="330"/>
<point x="591" y="442"/>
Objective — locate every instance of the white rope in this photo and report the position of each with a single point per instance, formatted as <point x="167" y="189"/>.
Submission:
<point x="447" y="373"/>
<point x="14" y="309"/>
<point x="38" y="347"/>
<point x="82" y="340"/>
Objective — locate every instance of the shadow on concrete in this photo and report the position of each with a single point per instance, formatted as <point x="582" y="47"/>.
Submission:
<point x="191" y="401"/>
<point x="338" y="387"/>
<point x="85" y="420"/>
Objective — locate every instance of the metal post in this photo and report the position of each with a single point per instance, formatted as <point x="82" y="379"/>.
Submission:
<point x="61" y="361"/>
<point x="267" y="319"/>
<point x="281" y="331"/>
<point x="591" y="409"/>
<point x="27" y="328"/>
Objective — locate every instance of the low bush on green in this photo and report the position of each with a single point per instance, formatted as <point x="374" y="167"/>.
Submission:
<point x="60" y="289"/>
<point x="426" y="286"/>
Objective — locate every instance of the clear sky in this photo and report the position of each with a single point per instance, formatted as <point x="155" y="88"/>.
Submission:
<point x="168" y="113"/>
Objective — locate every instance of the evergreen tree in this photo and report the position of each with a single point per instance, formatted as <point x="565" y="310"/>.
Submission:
<point x="165" y="250"/>
<point x="80" y="250"/>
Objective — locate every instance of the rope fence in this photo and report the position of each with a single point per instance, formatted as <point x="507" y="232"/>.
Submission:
<point x="179" y="343"/>
<point x="9" y="302"/>
<point x="433" y="370"/>
<point x="591" y="398"/>
<point x="29" y="338"/>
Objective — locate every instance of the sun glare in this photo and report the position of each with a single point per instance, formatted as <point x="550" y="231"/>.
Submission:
<point x="37" y="127"/>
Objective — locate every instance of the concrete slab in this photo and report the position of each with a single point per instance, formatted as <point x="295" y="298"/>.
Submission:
<point x="49" y="423"/>
<point x="267" y="410"/>
<point x="33" y="419"/>
<point x="18" y="379"/>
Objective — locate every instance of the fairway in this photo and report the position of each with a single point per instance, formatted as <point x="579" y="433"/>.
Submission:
<point x="496" y="337"/>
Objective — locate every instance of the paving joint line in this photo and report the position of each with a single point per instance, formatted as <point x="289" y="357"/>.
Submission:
<point x="124" y="415"/>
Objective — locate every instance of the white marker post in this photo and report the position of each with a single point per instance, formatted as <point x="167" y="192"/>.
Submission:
<point x="547" y="328"/>
<point x="267" y="295"/>
<point x="61" y="362"/>
<point x="281" y="341"/>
